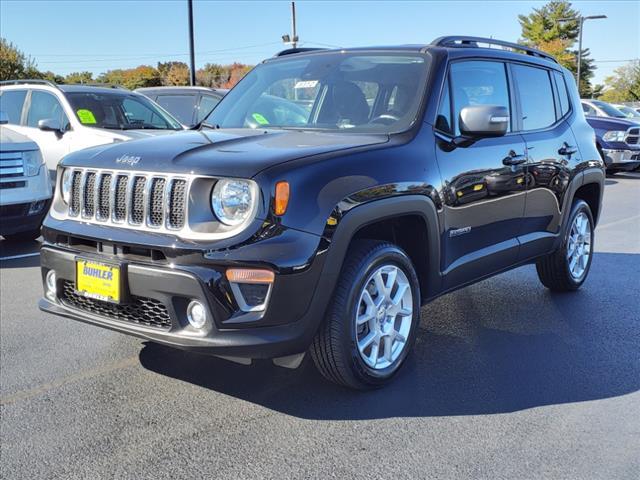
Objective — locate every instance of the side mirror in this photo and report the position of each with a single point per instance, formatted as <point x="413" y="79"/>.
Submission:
<point x="477" y="121"/>
<point x="4" y="118"/>
<point x="50" y="125"/>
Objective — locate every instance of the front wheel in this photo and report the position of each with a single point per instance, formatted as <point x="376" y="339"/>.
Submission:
<point x="568" y="267"/>
<point x="372" y="321"/>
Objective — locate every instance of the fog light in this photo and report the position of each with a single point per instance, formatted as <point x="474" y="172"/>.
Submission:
<point x="51" y="283"/>
<point x="196" y="314"/>
<point x="36" y="207"/>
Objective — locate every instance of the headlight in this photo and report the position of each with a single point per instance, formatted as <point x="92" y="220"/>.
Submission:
<point x="233" y="200"/>
<point x="32" y="162"/>
<point x="614" y="136"/>
<point x="67" y="183"/>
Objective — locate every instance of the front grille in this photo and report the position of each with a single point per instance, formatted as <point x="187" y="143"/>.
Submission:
<point x="140" y="311"/>
<point x="11" y="165"/>
<point x="633" y="136"/>
<point x="132" y="199"/>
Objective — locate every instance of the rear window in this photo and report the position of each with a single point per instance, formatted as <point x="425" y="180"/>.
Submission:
<point x="180" y="106"/>
<point x="536" y="97"/>
<point x="11" y="102"/>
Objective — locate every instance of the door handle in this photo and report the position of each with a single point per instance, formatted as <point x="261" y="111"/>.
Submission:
<point x="514" y="159"/>
<point x="567" y="149"/>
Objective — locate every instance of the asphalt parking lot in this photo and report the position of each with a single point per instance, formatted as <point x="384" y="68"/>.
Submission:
<point x="507" y="381"/>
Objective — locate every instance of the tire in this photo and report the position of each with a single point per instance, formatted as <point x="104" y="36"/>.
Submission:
<point x="336" y="348"/>
<point x="27" y="236"/>
<point x="554" y="270"/>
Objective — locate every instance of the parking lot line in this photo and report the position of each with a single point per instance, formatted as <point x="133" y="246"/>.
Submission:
<point x="24" y="255"/>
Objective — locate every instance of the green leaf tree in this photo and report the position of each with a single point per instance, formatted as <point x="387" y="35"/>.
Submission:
<point x="14" y="64"/>
<point x="79" y="77"/>
<point x="543" y="29"/>
<point x="623" y="85"/>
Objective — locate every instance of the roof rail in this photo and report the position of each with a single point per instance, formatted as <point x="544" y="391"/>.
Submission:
<point x="26" y="81"/>
<point x="102" y="85"/>
<point x="291" y="51"/>
<point x="464" y="41"/>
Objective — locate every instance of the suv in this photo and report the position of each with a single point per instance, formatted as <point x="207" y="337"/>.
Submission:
<point x="418" y="170"/>
<point x="25" y="188"/>
<point x="190" y="105"/>
<point x="65" y="118"/>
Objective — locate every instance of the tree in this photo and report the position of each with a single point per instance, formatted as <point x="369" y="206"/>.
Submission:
<point x="79" y="77"/>
<point x="178" y="74"/>
<point x="543" y="29"/>
<point x="623" y="85"/>
<point x="165" y="67"/>
<point x="14" y="64"/>
<point x="212" y="75"/>
<point x="142" y="76"/>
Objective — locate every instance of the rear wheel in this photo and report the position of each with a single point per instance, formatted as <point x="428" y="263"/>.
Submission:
<point x="371" y="323"/>
<point x="568" y="267"/>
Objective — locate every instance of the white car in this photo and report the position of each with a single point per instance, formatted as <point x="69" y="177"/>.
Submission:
<point x="64" y="118"/>
<point x="25" y="187"/>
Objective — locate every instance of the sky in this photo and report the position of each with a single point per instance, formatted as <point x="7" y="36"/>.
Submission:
<point x="99" y="35"/>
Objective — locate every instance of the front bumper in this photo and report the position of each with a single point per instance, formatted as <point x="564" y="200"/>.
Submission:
<point x="621" y="159"/>
<point x="23" y="217"/>
<point x="286" y="327"/>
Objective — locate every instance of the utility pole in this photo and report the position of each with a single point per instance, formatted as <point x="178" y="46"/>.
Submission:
<point x="581" y="21"/>
<point x="192" y="72"/>
<point x="294" y="39"/>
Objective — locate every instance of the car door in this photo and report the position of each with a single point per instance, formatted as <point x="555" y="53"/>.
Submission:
<point x="43" y="105"/>
<point x="483" y="186"/>
<point x="552" y="153"/>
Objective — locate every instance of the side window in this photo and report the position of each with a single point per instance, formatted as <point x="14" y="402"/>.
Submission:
<point x="180" y="106"/>
<point x="478" y="83"/>
<point x="43" y="106"/>
<point x="11" y="102"/>
<point x="443" y="120"/>
<point x="207" y="102"/>
<point x="536" y="97"/>
<point x="563" y="95"/>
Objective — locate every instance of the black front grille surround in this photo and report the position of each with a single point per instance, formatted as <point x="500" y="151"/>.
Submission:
<point x="633" y="136"/>
<point x="140" y="310"/>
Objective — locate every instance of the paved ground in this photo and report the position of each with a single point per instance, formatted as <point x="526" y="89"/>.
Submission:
<point x="507" y="381"/>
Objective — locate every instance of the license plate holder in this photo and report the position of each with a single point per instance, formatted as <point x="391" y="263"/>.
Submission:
<point x="99" y="280"/>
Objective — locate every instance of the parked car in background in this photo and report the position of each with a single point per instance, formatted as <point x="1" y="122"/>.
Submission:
<point x="25" y="188"/>
<point x="618" y="141"/>
<point x="598" y="108"/>
<point x="277" y="230"/>
<point x="630" y="112"/>
<point x="65" y="118"/>
<point x="190" y="105"/>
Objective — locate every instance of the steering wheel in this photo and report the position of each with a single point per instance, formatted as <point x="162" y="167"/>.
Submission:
<point x="385" y="119"/>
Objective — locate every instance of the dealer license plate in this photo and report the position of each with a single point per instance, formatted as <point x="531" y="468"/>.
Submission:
<point x="98" y="280"/>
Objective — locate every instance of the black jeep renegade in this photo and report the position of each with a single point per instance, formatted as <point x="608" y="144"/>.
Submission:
<point x="327" y="197"/>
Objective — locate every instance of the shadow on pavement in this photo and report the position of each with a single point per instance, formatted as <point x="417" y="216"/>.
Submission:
<point x="500" y="346"/>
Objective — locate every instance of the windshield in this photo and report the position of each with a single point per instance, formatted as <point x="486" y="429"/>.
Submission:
<point x="629" y="112"/>
<point x="119" y="112"/>
<point x="610" y="110"/>
<point x="379" y="92"/>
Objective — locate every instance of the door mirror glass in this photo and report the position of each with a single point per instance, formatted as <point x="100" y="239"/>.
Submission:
<point x="49" y="125"/>
<point x="4" y="118"/>
<point x="478" y="121"/>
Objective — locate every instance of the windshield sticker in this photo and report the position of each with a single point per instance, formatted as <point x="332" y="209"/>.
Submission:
<point x="306" y="84"/>
<point x="86" y="116"/>
<point x="260" y="119"/>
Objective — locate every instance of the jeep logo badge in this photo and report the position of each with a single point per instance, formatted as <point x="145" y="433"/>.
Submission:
<point x="128" y="159"/>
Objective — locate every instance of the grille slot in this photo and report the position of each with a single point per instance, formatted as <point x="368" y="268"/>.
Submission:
<point x="130" y="199"/>
<point x="11" y="165"/>
<point x="177" y="197"/>
<point x="137" y="200"/>
<point x="141" y="310"/>
<point x="120" y="200"/>
<point x="633" y="136"/>
<point x="104" y="200"/>
<point x="89" y="195"/>
<point x="156" y="202"/>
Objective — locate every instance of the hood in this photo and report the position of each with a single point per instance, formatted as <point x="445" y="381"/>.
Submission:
<point x="233" y="152"/>
<point x="610" y="123"/>
<point x="12" y="141"/>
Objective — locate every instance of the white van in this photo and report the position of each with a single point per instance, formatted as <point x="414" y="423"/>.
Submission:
<point x="64" y="118"/>
<point x="25" y="188"/>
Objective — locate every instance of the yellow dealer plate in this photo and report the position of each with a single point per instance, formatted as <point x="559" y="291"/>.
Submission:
<point x="98" y="280"/>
